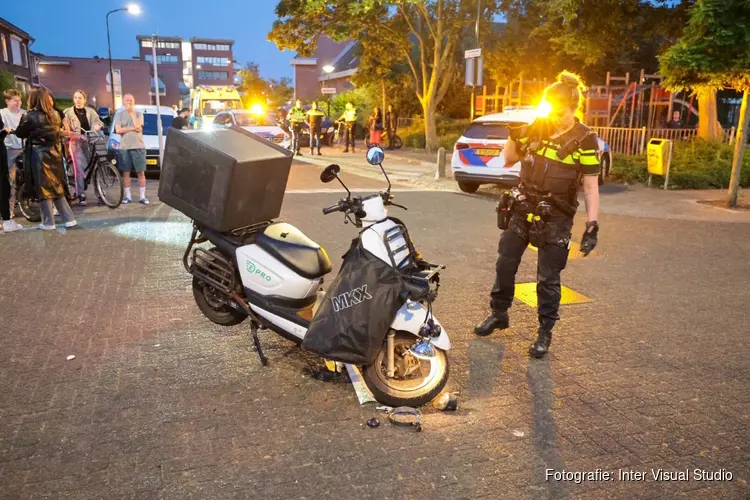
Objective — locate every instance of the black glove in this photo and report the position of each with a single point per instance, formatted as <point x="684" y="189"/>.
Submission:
<point x="590" y="238"/>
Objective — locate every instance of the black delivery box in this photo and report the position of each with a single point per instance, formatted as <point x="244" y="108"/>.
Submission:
<point x="224" y="178"/>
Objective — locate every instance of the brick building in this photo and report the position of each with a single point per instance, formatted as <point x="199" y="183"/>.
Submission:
<point x="15" y="56"/>
<point x="185" y="64"/>
<point x="64" y="75"/>
<point x="212" y="61"/>
<point x="309" y="76"/>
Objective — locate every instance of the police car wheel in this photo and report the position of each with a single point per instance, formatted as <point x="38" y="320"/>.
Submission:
<point x="468" y="187"/>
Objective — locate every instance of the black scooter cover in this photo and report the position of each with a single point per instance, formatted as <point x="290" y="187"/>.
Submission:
<point x="352" y="322"/>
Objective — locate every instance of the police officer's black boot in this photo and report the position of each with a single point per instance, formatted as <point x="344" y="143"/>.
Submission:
<point x="495" y="321"/>
<point x="544" y="338"/>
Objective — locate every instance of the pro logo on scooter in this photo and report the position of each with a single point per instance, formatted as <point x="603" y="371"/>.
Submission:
<point x="350" y="298"/>
<point x="255" y="270"/>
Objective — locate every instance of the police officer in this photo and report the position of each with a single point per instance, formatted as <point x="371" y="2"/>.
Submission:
<point x="296" y="117"/>
<point x="555" y="153"/>
<point x="350" y="118"/>
<point x="315" y="122"/>
<point x="391" y="124"/>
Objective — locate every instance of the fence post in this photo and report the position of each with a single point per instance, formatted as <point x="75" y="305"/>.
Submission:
<point x="643" y="140"/>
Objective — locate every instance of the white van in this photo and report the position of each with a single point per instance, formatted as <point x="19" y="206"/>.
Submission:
<point x="150" y="133"/>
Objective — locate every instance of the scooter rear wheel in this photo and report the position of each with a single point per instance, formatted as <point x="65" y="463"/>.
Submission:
<point x="213" y="307"/>
<point x="425" y="380"/>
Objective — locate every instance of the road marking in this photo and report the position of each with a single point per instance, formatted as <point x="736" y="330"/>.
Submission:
<point x="526" y="293"/>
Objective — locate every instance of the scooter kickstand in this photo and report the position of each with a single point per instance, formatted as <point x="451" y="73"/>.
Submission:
<point x="254" y="330"/>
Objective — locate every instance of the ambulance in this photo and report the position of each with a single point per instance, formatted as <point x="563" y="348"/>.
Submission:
<point x="207" y="101"/>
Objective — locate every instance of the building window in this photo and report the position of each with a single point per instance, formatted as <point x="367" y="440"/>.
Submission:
<point x="5" y="47"/>
<point x="212" y="75"/>
<point x="162" y="58"/>
<point x="15" y="47"/>
<point x="147" y="44"/>
<point x="211" y="46"/>
<point x="213" y="61"/>
<point x="25" y="55"/>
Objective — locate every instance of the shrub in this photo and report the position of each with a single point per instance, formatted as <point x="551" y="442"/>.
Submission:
<point x="695" y="165"/>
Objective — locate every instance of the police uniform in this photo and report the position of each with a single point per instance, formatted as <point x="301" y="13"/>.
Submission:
<point x="315" y="121"/>
<point x="296" y="117"/>
<point x="350" y="118"/>
<point x="542" y="214"/>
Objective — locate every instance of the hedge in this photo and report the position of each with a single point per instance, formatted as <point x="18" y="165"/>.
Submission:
<point x="695" y="165"/>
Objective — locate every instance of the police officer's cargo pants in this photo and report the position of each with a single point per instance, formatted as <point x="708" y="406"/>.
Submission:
<point x="296" y="135"/>
<point x="552" y="258"/>
<point x="349" y="137"/>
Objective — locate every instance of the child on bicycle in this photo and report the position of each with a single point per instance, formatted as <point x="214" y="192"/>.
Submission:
<point x="78" y="120"/>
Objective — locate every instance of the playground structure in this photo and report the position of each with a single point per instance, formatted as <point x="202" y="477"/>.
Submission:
<point x="619" y="102"/>
<point x="625" y="112"/>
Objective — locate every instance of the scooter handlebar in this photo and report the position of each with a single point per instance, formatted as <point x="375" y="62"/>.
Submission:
<point x="333" y="208"/>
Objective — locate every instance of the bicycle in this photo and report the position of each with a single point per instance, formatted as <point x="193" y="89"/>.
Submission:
<point x="100" y="170"/>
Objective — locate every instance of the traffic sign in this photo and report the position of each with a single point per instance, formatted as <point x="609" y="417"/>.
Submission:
<point x="328" y="90"/>
<point x="472" y="53"/>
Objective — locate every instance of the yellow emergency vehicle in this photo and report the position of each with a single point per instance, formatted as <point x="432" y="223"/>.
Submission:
<point x="209" y="100"/>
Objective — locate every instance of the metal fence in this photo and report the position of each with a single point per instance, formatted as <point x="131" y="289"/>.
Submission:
<point x="632" y="141"/>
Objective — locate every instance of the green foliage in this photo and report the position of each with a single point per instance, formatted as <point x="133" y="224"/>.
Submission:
<point x="695" y="165"/>
<point x="714" y="50"/>
<point x="6" y="82"/>
<point x="589" y="38"/>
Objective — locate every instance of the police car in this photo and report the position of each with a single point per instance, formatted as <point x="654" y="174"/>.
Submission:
<point x="478" y="154"/>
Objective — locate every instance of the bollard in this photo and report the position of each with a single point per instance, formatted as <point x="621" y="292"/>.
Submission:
<point x="440" y="174"/>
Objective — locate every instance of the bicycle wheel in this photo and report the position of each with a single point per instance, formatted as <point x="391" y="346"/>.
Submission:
<point x="108" y="184"/>
<point x="28" y="206"/>
<point x="397" y="143"/>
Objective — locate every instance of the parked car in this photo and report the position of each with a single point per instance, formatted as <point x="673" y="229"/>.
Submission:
<point x="259" y="124"/>
<point x="478" y="154"/>
<point x="150" y="133"/>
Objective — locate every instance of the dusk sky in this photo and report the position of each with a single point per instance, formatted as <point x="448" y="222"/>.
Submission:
<point x="77" y="29"/>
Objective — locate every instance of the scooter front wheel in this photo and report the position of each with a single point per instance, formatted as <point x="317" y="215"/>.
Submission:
<point x="416" y="381"/>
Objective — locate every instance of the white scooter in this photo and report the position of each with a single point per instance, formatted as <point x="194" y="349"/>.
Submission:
<point x="272" y="273"/>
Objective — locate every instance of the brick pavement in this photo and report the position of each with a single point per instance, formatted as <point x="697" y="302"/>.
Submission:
<point x="160" y="403"/>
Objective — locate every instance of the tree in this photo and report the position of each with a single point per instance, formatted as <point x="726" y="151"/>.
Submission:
<point x="542" y="38"/>
<point x="253" y="85"/>
<point x="7" y="81"/>
<point x="714" y="52"/>
<point x="423" y="34"/>
<point x="280" y="91"/>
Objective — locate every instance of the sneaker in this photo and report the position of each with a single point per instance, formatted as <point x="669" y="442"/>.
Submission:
<point x="46" y="228"/>
<point x="10" y="225"/>
<point x="144" y="201"/>
<point x="320" y="154"/>
<point x="82" y="201"/>
<point x="71" y="224"/>
<point x="125" y="201"/>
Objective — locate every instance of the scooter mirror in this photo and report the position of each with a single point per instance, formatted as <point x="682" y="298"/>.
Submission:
<point x="330" y="173"/>
<point x="375" y="155"/>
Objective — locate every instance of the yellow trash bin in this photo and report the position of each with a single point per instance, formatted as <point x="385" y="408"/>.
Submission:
<point x="659" y="154"/>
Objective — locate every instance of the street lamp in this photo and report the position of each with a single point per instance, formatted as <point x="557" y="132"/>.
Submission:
<point x="134" y="10"/>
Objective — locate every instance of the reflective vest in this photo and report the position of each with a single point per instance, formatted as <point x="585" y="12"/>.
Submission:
<point x="543" y="171"/>
<point x="296" y="115"/>
<point x="350" y="115"/>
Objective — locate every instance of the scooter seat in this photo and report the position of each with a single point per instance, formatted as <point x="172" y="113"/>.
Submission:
<point x="290" y="246"/>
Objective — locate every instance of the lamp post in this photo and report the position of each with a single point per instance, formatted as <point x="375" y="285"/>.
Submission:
<point x="135" y="10"/>
<point x="328" y="69"/>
